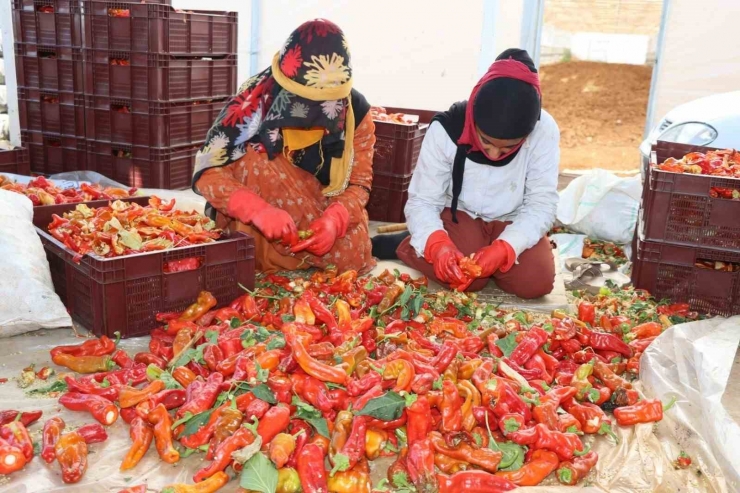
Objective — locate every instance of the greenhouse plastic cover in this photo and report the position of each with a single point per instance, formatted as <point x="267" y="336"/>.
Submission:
<point x="691" y="361"/>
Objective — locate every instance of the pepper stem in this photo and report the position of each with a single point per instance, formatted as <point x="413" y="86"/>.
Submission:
<point x="565" y="475"/>
<point x="670" y="404"/>
<point x="117" y="339"/>
<point x="583" y="452"/>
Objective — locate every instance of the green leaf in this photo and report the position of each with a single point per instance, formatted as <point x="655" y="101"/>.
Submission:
<point x="185" y="418"/>
<point x="387" y="407"/>
<point x="310" y="415"/>
<point x="185" y="358"/>
<point x="401" y="480"/>
<point x="548" y="327"/>
<point x="248" y="339"/>
<point x="263" y="392"/>
<point x="341" y="463"/>
<point x="437" y="385"/>
<point x="520" y="317"/>
<point x="405" y="313"/>
<point x="513" y="456"/>
<point x="58" y="386"/>
<point x="195" y="423"/>
<point x="262" y="334"/>
<point x="277" y="342"/>
<point x="169" y="381"/>
<point x="333" y="385"/>
<point x="259" y="474"/>
<point x="287" y="318"/>
<point x="507" y="344"/>
<point x="262" y="373"/>
<point x="417" y="303"/>
<point x="369" y="286"/>
<point x="406" y="296"/>
<point x="235" y="322"/>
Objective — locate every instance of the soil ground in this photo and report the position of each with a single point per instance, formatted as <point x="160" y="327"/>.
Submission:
<point x="600" y="109"/>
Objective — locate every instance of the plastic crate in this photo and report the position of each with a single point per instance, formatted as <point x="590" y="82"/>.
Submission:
<point x="143" y="167"/>
<point x="678" y="207"/>
<point x="152" y="77"/>
<point x="124" y="294"/>
<point x="54" y="153"/>
<point x="52" y="112"/>
<point x="15" y="161"/>
<point x="62" y="27"/>
<point x="49" y="68"/>
<point x="155" y="28"/>
<point x="149" y="123"/>
<point x="388" y="197"/>
<point x="397" y="146"/>
<point x="669" y="271"/>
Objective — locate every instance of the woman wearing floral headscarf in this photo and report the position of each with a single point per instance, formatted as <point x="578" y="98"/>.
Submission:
<point x="293" y="151"/>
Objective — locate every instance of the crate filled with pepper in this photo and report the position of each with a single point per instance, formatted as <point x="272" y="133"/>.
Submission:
<point x="118" y="264"/>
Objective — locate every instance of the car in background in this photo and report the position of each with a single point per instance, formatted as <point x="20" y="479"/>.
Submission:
<point x="711" y="121"/>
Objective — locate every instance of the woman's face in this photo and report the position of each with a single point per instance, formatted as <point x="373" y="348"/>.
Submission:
<point x="493" y="148"/>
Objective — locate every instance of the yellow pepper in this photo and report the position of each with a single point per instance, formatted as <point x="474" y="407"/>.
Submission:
<point x="288" y="481"/>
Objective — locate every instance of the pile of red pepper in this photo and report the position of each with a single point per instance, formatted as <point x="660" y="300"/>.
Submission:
<point x="124" y="228"/>
<point x="43" y="192"/>
<point x="300" y="384"/>
<point x="716" y="163"/>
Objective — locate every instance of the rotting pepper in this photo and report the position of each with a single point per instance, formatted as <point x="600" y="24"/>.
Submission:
<point x="645" y="411"/>
<point x="53" y="429"/>
<point x="541" y="464"/>
<point x="486" y="459"/>
<point x="571" y="472"/>
<point x="205" y="302"/>
<point x="84" y="364"/>
<point x="222" y="457"/>
<point x="310" y="466"/>
<point x="71" y="453"/>
<point x="162" y="422"/>
<point x="210" y="485"/>
<point x="473" y="482"/>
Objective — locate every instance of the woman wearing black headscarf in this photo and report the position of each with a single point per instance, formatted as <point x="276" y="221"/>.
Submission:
<point x="486" y="185"/>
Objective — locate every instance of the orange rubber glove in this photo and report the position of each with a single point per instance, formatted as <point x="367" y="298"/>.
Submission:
<point x="331" y="226"/>
<point x="273" y="223"/>
<point x="441" y="252"/>
<point x="498" y="256"/>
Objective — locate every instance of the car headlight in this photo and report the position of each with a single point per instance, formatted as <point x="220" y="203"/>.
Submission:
<point x="695" y="133"/>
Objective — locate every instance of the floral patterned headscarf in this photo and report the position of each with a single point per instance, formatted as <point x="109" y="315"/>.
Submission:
<point x="307" y="86"/>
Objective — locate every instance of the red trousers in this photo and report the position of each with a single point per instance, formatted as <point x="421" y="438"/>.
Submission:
<point x="532" y="277"/>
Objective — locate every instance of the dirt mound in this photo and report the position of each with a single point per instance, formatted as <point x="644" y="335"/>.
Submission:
<point x="600" y="109"/>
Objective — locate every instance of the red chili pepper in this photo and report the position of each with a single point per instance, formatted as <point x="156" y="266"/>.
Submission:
<point x="571" y="346"/>
<point x="451" y="408"/>
<point x="644" y="331"/>
<point x="610" y="342"/>
<point x="110" y="393"/>
<point x="53" y="429"/>
<point x="71" y="452"/>
<point x="275" y="421"/>
<point x="150" y="359"/>
<point x="565" y="445"/>
<point x="205" y="397"/>
<point x="222" y="457"/>
<point x="310" y="465"/>
<point x="444" y="358"/>
<point x="11" y="458"/>
<point x="16" y="434"/>
<point x="27" y="418"/>
<point x="95" y="347"/>
<point x="92" y="433"/>
<point x="100" y="408"/>
<point x="533" y="340"/>
<point x="371" y="394"/>
<point x="646" y="411"/>
<point x="473" y="482"/>
<point x="587" y="313"/>
<point x="122" y="359"/>
<point x="420" y="465"/>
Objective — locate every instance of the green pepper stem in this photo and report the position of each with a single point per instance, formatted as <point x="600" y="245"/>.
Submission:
<point x="670" y="404"/>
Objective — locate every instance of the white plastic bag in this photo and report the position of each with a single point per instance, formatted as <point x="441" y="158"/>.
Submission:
<point x="601" y="205"/>
<point x="693" y="361"/>
<point x="27" y="298"/>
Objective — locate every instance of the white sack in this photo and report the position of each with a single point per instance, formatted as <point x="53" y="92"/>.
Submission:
<point x="27" y="298"/>
<point x="601" y="205"/>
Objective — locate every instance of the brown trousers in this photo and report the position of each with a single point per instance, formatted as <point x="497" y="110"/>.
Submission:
<point x="532" y="277"/>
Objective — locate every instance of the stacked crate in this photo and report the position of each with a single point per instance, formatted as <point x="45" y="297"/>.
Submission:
<point x="155" y="80"/>
<point x="48" y="54"/>
<point x="685" y="223"/>
<point x="397" y="148"/>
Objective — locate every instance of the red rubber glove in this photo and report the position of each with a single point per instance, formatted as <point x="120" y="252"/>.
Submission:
<point x="498" y="256"/>
<point x="331" y="226"/>
<point x="273" y="223"/>
<point x="441" y="252"/>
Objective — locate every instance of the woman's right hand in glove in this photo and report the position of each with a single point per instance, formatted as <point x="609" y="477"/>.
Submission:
<point x="275" y="224"/>
<point x="442" y="253"/>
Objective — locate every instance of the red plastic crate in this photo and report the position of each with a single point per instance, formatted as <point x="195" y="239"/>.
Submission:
<point x="52" y="112"/>
<point x="669" y="271"/>
<point x="143" y="167"/>
<point x="49" y="68"/>
<point x="388" y="197"/>
<point x="155" y="28"/>
<point x="149" y="123"/>
<point x="124" y="294"/>
<point x="62" y="27"/>
<point x="15" y="161"/>
<point x="397" y="146"/>
<point x="679" y="209"/>
<point x="152" y="77"/>
<point x="54" y="153"/>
